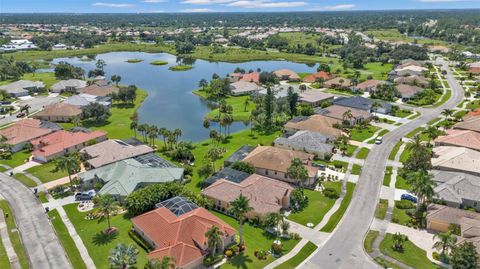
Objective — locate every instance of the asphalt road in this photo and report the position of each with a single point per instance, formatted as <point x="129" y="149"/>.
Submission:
<point x="39" y="239"/>
<point x="36" y="103"/>
<point x="344" y="248"/>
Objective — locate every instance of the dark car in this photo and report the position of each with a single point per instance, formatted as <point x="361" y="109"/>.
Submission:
<point x="21" y="115"/>
<point x="409" y="197"/>
<point x="84" y="196"/>
<point x="5" y="102"/>
<point x="320" y="166"/>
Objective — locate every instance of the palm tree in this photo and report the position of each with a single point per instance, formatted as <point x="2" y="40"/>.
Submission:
<point x="69" y="163"/>
<point x="106" y="204"/>
<point x="415" y="144"/>
<point x="432" y="133"/>
<point x="167" y="262"/>
<point x="297" y="171"/>
<point x="76" y="121"/>
<point x="206" y="123"/>
<point x="123" y="257"/>
<point x="246" y="103"/>
<point x="239" y="208"/>
<point x="25" y="108"/>
<point x="375" y="106"/>
<point x="347" y="116"/>
<point x="447" y="113"/>
<point x="421" y="184"/>
<point x="203" y="83"/>
<point x="446" y="242"/>
<point x="214" y="237"/>
<point x="134" y="126"/>
<point x="398" y="241"/>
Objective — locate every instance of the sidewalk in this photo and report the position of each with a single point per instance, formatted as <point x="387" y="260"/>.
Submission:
<point x="12" y="256"/>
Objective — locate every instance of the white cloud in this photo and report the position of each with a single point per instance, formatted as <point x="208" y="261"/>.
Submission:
<point x="154" y="1"/>
<point x="338" y="7"/>
<point x="206" y="2"/>
<point x="442" y="1"/>
<point x="196" y="10"/>
<point x="266" y="4"/>
<point x="113" y="5"/>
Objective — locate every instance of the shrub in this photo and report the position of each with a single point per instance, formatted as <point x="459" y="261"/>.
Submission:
<point x="139" y="240"/>
<point x="404" y="204"/>
<point x="295" y="236"/>
<point x="229" y="253"/>
<point x="235" y="249"/>
<point x="276" y="249"/>
<point x="436" y="256"/>
<point x="331" y="193"/>
<point x="244" y="167"/>
<point x="395" y="220"/>
<point x="455" y="229"/>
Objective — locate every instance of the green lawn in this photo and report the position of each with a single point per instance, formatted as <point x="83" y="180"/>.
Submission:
<point x="99" y="245"/>
<point x="159" y="62"/>
<point x="237" y="103"/>
<point x="473" y="105"/>
<point x="414" y="132"/>
<point x="46" y="172"/>
<point x="395" y="35"/>
<point x="394" y="151"/>
<point x="350" y="150"/>
<point x="381" y="210"/>
<point x="337" y="216"/>
<point x="255" y="239"/>
<point x="25" y="180"/>
<point x="118" y="125"/>
<point x="14" y="235"/>
<point x="368" y="242"/>
<point x="4" y="262"/>
<point x="400" y="216"/>
<point x="360" y="135"/>
<point x="303" y="254"/>
<point x="402" y="113"/>
<point x="42" y="197"/>
<point x="388" y="176"/>
<point x="356" y="169"/>
<point x="411" y="255"/>
<point x="318" y="206"/>
<point x="48" y="78"/>
<point x="444" y="99"/>
<point x="18" y="158"/>
<point x="132" y="61"/>
<point x="386" y="264"/>
<point x="405" y="154"/>
<point x="401" y="184"/>
<point x="66" y="240"/>
<point x="362" y="153"/>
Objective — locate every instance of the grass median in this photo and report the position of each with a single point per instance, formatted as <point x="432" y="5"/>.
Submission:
<point x="337" y="216"/>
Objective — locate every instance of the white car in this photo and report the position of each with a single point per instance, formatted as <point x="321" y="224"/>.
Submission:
<point x="378" y="140"/>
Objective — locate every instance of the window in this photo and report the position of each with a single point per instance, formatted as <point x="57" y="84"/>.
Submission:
<point x="266" y="172"/>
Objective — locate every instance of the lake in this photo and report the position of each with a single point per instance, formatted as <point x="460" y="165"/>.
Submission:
<point x="170" y="102"/>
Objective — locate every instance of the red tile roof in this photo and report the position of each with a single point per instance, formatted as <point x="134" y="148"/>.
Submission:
<point x="313" y="77"/>
<point x="24" y="131"/>
<point x="61" y="140"/>
<point x="177" y="237"/>
<point x="251" y="77"/>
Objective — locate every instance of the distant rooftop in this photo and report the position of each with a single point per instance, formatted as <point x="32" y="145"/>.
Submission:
<point x="178" y="205"/>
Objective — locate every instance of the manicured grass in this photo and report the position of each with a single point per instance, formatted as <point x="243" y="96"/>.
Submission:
<point x="235" y="141"/>
<point x="402" y="113"/>
<point x="25" y="180"/>
<point x="3" y="169"/>
<point x="414" y="132"/>
<point x="400" y="216"/>
<point x="66" y="240"/>
<point x="360" y="135"/>
<point x="48" y="78"/>
<point x="46" y="172"/>
<point x="318" y="206"/>
<point x="240" y="111"/>
<point x="444" y="98"/>
<point x="362" y="153"/>
<point x="394" y="151"/>
<point x="411" y="254"/>
<point x="18" y="158"/>
<point x="303" y="254"/>
<point x="4" y="261"/>
<point x="350" y="150"/>
<point x="368" y="242"/>
<point x="434" y="120"/>
<point x="381" y="210"/>
<point x="337" y="216"/>
<point x="356" y="169"/>
<point x="180" y="67"/>
<point x="14" y="235"/>
<point x="42" y="197"/>
<point x="118" y="125"/>
<point x="473" y="105"/>
<point x="255" y="239"/>
<point x="395" y="35"/>
<point x="99" y="245"/>
<point x="401" y="184"/>
<point x="386" y="264"/>
<point x="132" y="61"/>
<point x="159" y="62"/>
<point x="405" y="155"/>
<point x="388" y="176"/>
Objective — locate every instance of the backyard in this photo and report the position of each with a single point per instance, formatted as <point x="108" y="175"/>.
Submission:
<point x="46" y="172"/>
<point x="361" y="134"/>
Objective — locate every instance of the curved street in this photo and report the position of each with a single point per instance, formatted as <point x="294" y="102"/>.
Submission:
<point x="41" y="244"/>
<point x="344" y="248"/>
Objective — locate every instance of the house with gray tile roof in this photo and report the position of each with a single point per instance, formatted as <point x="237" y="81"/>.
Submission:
<point x="311" y="142"/>
<point x="363" y="103"/>
<point x="123" y="177"/>
<point x="22" y="87"/>
<point x="70" y="85"/>
<point x="457" y="189"/>
<point x="82" y="100"/>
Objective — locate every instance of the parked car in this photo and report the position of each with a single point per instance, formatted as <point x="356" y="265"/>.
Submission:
<point x="378" y="140"/>
<point x="5" y="102"/>
<point x="320" y="166"/>
<point x="409" y="197"/>
<point x="21" y="115"/>
<point x="83" y="196"/>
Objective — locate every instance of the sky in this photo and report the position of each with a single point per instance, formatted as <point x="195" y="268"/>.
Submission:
<point x="142" y="6"/>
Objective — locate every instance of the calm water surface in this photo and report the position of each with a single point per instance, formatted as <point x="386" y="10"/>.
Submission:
<point x="170" y="102"/>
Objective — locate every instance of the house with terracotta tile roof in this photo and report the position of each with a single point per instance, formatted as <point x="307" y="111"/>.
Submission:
<point x="177" y="229"/>
<point x="285" y="74"/>
<point x="59" y="143"/>
<point x="474" y="68"/>
<point x="470" y="123"/>
<point x="412" y="80"/>
<point x="59" y="112"/>
<point x="472" y="114"/>
<point x="368" y="85"/>
<point x="273" y="162"/>
<point x="456" y="159"/>
<point x="242" y="87"/>
<point x="338" y="83"/>
<point x="312" y="78"/>
<point x="337" y="112"/>
<point x="26" y="130"/>
<point x="459" y="138"/>
<point x="113" y="150"/>
<point x="101" y="91"/>
<point x="251" y="77"/>
<point x="315" y="123"/>
<point x="223" y="192"/>
<point x="407" y="91"/>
